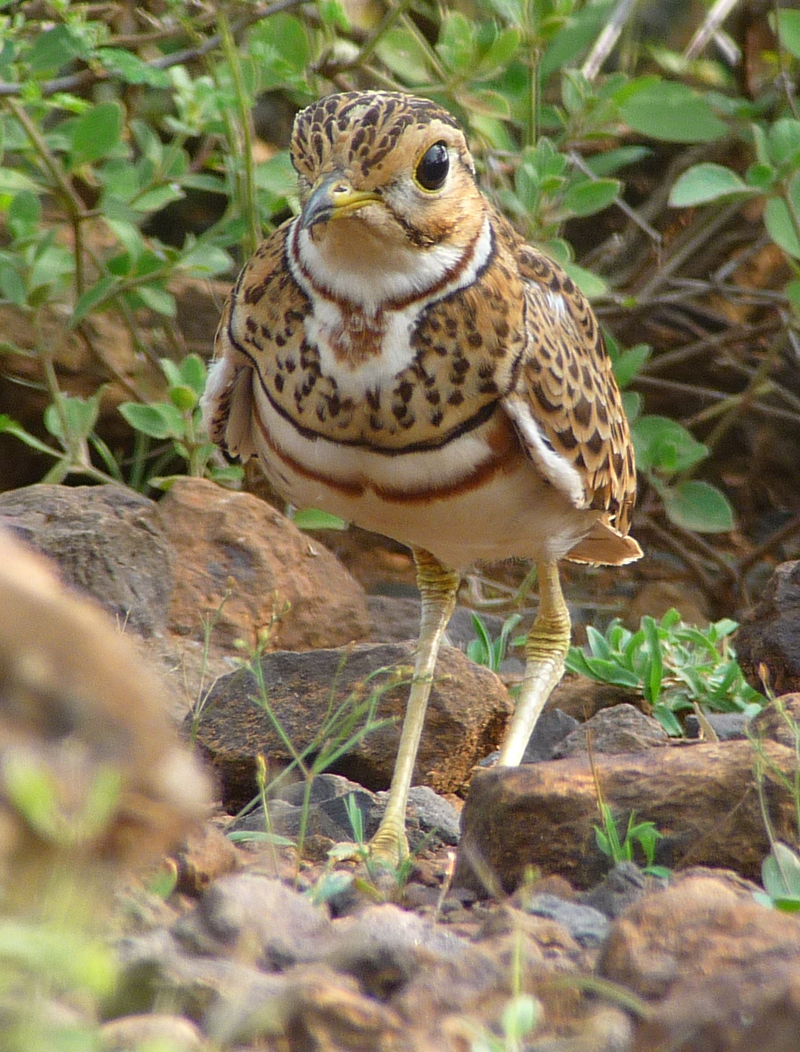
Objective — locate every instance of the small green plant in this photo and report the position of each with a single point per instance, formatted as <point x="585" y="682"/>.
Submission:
<point x="344" y="725"/>
<point x="672" y="665"/>
<point x="780" y="875"/>
<point x="487" y="651"/>
<point x="644" y="834"/>
<point x="521" y="1016"/>
<point x="177" y="422"/>
<point x="780" y="870"/>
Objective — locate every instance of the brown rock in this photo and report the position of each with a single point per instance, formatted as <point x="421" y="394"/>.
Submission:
<point x="206" y="856"/>
<point x="134" y="1032"/>
<point x="724" y="967"/>
<point x="581" y="697"/>
<point x="778" y="721"/>
<point x="234" y="544"/>
<point x="703" y="798"/>
<point x="107" y="542"/>
<point x="79" y="712"/>
<point x="771" y="633"/>
<point x="467" y="713"/>
<point x="620" y="729"/>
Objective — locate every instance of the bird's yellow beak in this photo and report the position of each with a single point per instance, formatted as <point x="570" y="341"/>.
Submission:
<point x="333" y="197"/>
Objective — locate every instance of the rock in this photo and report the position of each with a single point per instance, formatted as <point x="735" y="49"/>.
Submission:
<point x="256" y="920"/>
<point x="435" y="815"/>
<point x="107" y="542"/>
<point x="131" y="1033"/>
<point x="430" y="819"/>
<point x="620" y="888"/>
<point x="702" y="797"/>
<point x="770" y="634"/>
<point x="586" y="925"/>
<point x="620" y="729"/>
<point x="81" y="715"/>
<point x="727" y="726"/>
<point x="722" y="966"/>
<point x="551" y="729"/>
<point x="249" y="568"/>
<point x="467" y="713"/>
<point x="778" y="721"/>
<point x="581" y="697"/>
<point x="213" y="991"/>
<point x="206" y="855"/>
<point x="384" y="947"/>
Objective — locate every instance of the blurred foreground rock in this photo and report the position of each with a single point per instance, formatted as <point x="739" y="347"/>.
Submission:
<point x="91" y="773"/>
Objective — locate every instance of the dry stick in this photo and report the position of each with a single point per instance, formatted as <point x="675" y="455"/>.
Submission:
<point x="710" y="29"/>
<point x="695" y="239"/>
<point x="736" y="407"/>
<point x="605" y="43"/>
<point x="691" y="560"/>
<point x="789" y="529"/>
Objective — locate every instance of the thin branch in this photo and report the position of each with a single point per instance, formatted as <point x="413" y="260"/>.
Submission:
<point x="86" y="77"/>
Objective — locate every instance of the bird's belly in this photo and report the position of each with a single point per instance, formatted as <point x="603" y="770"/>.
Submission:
<point x="477" y="498"/>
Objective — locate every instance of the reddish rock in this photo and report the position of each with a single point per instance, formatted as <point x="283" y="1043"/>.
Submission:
<point x="702" y="798"/>
<point x="234" y="544"/>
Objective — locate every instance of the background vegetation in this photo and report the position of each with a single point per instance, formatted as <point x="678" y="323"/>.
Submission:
<point x="653" y="151"/>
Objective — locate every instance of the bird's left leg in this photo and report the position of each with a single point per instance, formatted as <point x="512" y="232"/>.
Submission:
<point x="545" y="649"/>
<point x="438" y="588"/>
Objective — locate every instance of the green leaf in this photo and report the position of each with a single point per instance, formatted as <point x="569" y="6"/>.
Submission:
<point x="8" y="426"/>
<point x="404" y="56"/>
<point x="668" y="111"/>
<point x="130" y="68"/>
<point x="590" y="284"/>
<point x="95" y="134"/>
<point x="698" y="506"/>
<point x="788" y="23"/>
<point x="12" y="181"/>
<point x="779" y="222"/>
<point x="780" y="872"/>
<point x="591" y="195"/>
<point x="157" y="299"/>
<point x="784" y="141"/>
<point x="55" y="48"/>
<point x="158" y="420"/>
<point x="665" y="446"/>
<point x="628" y="364"/>
<point x="456" y="44"/>
<point x="78" y="415"/>
<point x="314" y="519"/>
<point x="89" y="300"/>
<point x="706" y="182"/>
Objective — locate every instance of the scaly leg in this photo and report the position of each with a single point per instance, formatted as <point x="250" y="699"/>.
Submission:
<point x="545" y="649"/>
<point x="438" y="588"/>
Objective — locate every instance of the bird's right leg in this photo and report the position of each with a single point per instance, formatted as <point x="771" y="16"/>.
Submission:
<point x="438" y="588"/>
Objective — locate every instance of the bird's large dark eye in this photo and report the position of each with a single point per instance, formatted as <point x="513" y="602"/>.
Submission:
<point x="433" y="167"/>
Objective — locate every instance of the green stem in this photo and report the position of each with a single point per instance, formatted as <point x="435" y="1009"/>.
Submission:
<point x="245" y="177"/>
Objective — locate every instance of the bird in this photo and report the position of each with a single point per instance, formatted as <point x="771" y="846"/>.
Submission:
<point x="397" y="354"/>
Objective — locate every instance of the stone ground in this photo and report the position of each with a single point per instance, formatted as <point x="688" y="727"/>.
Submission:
<point x="507" y="906"/>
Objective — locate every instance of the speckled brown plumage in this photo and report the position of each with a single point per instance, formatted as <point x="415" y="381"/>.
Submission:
<point x="398" y="355"/>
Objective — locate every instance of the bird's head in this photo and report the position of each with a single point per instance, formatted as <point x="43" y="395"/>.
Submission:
<point x="385" y="166"/>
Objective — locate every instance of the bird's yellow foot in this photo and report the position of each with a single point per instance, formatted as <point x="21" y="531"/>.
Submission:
<point x="389" y="847"/>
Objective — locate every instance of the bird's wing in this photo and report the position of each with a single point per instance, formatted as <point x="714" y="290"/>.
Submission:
<point x="260" y="329"/>
<point x="567" y="408"/>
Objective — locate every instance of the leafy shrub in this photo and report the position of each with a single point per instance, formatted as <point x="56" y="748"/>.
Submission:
<point x="672" y="665"/>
